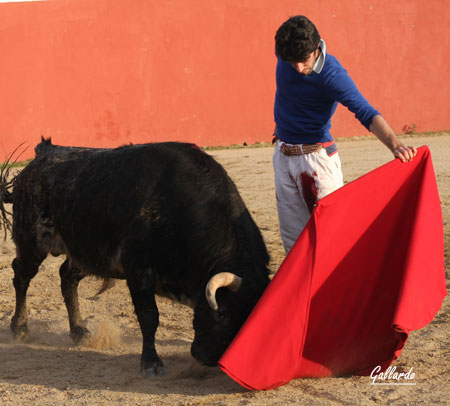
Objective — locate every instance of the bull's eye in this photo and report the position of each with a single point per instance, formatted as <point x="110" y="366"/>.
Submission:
<point x="221" y="315"/>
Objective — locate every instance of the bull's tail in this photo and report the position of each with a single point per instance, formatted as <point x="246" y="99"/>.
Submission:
<point x="6" y="188"/>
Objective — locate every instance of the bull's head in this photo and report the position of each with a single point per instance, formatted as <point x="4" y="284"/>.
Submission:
<point x="218" y="317"/>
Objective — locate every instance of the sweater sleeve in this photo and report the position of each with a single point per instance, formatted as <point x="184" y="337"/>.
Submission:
<point x="341" y="88"/>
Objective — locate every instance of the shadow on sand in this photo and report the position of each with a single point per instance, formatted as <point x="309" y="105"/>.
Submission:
<point x="63" y="366"/>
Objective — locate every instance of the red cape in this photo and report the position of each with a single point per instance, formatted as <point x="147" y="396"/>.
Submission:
<point x="367" y="269"/>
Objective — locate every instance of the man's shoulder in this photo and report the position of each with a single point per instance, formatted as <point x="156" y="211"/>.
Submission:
<point x="332" y="71"/>
<point x="332" y="64"/>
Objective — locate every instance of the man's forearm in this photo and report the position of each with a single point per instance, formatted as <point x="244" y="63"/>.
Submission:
<point x="385" y="133"/>
<point x="387" y="136"/>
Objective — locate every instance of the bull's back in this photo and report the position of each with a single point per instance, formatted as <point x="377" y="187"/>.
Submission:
<point x="143" y="200"/>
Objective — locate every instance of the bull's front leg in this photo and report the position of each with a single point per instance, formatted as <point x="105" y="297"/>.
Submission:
<point x="143" y="297"/>
<point x="70" y="279"/>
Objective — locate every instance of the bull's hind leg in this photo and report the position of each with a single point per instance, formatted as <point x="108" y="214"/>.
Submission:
<point x="70" y="279"/>
<point x="143" y="297"/>
<point x="25" y="268"/>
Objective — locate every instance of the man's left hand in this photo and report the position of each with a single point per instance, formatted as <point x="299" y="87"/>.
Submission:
<point x="404" y="153"/>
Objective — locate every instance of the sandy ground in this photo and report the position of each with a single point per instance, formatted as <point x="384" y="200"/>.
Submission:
<point x="50" y="370"/>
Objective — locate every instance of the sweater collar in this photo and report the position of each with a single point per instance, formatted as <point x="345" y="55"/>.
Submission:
<point x="318" y="66"/>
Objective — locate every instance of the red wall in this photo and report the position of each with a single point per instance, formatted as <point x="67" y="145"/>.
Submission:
<point x="108" y="72"/>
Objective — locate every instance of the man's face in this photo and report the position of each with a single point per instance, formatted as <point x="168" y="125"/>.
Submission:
<point x="305" y="68"/>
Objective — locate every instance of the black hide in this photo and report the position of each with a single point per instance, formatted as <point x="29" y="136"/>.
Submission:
<point x="166" y="217"/>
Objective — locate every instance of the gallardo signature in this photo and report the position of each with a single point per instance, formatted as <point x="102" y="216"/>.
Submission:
<point x="392" y="377"/>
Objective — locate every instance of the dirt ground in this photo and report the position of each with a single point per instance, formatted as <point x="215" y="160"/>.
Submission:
<point x="50" y="370"/>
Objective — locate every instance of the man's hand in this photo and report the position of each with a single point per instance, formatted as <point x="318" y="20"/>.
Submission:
<point x="405" y="154"/>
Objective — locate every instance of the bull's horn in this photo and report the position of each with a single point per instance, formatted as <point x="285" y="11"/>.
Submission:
<point x="108" y="283"/>
<point x="221" y="280"/>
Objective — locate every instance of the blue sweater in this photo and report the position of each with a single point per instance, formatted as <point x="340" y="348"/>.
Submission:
<point x="304" y="105"/>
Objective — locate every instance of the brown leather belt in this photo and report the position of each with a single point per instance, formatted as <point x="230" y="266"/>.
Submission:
<point x="300" y="149"/>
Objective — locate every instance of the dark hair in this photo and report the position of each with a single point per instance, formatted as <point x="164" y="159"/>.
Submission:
<point x="296" y="39"/>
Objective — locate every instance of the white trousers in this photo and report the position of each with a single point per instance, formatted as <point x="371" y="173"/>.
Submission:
<point x="300" y="181"/>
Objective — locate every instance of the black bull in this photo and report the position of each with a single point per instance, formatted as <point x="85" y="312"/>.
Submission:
<point x="166" y="217"/>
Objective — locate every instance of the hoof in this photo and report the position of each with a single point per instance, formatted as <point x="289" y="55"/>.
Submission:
<point x="155" y="369"/>
<point x="21" y="335"/>
<point x="20" y="332"/>
<point x="80" y="334"/>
